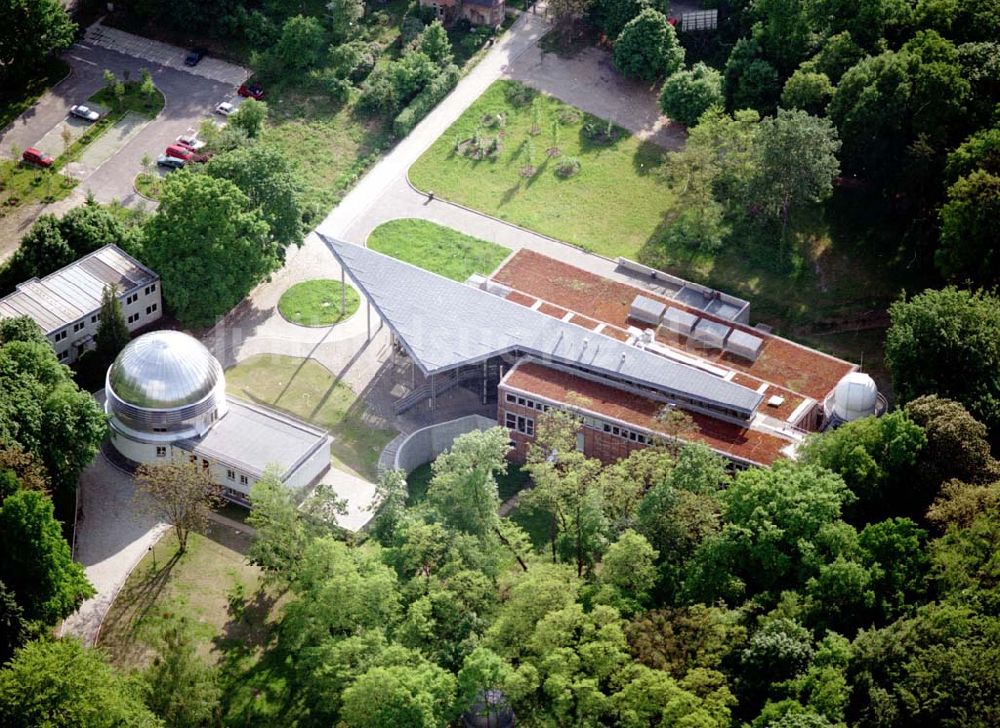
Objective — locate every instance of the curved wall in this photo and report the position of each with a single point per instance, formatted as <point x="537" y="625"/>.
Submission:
<point x="427" y="443"/>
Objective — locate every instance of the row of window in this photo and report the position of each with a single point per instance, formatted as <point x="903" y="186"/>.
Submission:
<point x="79" y="325"/>
<point x="519" y="423"/>
<point x="625" y="434"/>
<point x="231" y="474"/>
<point x="525" y="402"/>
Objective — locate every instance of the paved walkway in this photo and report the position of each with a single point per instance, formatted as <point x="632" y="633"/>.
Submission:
<point x="113" y="534"/>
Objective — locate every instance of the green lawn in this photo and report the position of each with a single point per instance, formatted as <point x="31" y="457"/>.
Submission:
<point x="612" y="206"/>
<point x="437" y="248"/>
<point x="149" y="184"/>
<point x="195" y="585"/>
<point x="307" y="389"/>
<point x="319" y="302"/>
<point x="21" y="184"/>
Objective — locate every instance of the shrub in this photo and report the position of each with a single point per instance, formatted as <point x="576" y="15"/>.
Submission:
<point x="426" y="100"/>
<point x="688" y="94"/>
<point x="648" y="47"/>
<point x="353" y="61"/>
<point x="568" y="167"/>
<point x="520" y="95"/>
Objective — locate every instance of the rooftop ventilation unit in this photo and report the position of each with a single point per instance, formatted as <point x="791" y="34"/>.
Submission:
<point x="744" y="345"/>
<point x="679" y="321"/>
<point x="647" y="310"/>
<point x="711" y="333"/>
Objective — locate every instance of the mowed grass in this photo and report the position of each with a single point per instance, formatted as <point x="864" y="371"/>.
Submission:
<point x="611" y="206"/>
<point x="437" y="248"/>
<point x="508" y="485"/>
<point x="196" y="585"/>
<point x="319" y="302"/>
<point x="306" y="389"/>
<point x="21" y="184"/>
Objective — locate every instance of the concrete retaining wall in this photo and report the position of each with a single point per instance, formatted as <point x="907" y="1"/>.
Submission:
<point x="427" y="443"/>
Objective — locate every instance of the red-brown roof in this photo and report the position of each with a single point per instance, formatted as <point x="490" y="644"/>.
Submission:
<point x="790" y="370"/>
<point x="601" y="399"/>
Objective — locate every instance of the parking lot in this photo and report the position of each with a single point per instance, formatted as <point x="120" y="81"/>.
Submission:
<point x="109" y="168"/>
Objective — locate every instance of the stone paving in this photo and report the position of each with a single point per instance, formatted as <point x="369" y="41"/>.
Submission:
<point x="53" y="143"/>
<point x="113" y="534"/>
<point x="164" y="54"/>
<point x="112" y="140"/>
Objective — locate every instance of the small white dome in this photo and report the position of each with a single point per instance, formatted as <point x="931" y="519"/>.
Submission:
<point x="855" y="396"/>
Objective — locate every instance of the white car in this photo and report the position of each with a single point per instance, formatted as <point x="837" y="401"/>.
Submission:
<point x="84" y="112"/>
<point x="190" y="140"/>
<point x="225" y="108"/>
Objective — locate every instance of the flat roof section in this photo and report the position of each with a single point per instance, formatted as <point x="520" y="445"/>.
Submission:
<point x="251" y="438"/>
<point x="70" y="293"/>
<point x="602" y="400"/>
<point x="444" y="325"/>
<point x="781" y="362"/>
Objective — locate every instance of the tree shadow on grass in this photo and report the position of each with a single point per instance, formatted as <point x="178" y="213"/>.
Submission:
<point x="648" y="158"/>
<point x="139" y="598"/>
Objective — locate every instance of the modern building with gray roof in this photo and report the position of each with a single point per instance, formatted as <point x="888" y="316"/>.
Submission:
<point x="166" y="402"/>
<point x="66" y="304"/>
<point x="446" y="327"/>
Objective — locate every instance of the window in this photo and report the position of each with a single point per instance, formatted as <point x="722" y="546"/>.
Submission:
<point x="193" y="458"/>
<point x="159" y="429"/>
<point x="520" y="401"/>
<point x="231" y="474"/>
<point x="150" y="289"/>
<point x="95" y="318"/>
<point x="63" y="355"/>
<point x="77" y="326"/>
<point x="524" y="425"/>
<point x="60" y="335"/>
<point x="204" y="464"/>
<point x="133" y="317"/>
<point x="150" y="309"/>
<point x="161" y="451"/>
<point x="244" y="480"/>
<point x="131" y="298"/>
<point x="510" y="398"/>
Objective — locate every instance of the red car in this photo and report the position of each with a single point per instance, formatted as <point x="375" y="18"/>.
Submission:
<point x="253" y="91"/>
<point x="185" y="145"/>
<point x="37" y="157"/>
<point x="178" y="152"/>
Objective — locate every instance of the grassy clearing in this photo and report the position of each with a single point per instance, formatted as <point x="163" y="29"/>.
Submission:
<point x="15" y="100"/>
<point x="21" y="184"/>
<point x="149" y="185"/>
<point x="196" y="585"/>
<point x="611" y="206"/>
<point x="437" y="248"/>
<point x="318" y="303"/>
<point x="307" y="389"/>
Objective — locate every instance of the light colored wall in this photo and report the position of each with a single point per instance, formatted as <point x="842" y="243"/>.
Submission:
<point x="426" y="444"/>
<point x="311" y="468"/>
<point x="90" y="327"/>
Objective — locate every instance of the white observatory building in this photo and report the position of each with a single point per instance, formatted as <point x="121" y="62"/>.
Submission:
<point x="166" y="402"/>
<point x="854" y="397"/>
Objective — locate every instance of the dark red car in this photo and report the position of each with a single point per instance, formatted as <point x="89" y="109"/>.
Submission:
<point x="252" y="91"/>
<point x="37" y="157"/>
<point x="178" y="152"/>
<point x="185" y="145"/>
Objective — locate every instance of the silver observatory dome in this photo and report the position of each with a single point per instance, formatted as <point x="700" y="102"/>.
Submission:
<point x="164" y="379"/>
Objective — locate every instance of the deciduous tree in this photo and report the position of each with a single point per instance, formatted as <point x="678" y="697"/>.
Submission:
<point x="112" y="333"/>
<point x="179" y="494"/>
<point x="647" y="47"/>
<point x="688" y="94"/>
<point x="32" y="31"/>
<point x="180" y="687"/>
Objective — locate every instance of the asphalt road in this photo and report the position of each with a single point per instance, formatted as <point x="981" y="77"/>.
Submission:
<point x="189" y="99"/>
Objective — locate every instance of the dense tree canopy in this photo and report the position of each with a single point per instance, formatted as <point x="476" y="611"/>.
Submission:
<point x="647" y="47"/>
<point x="688" y="94"/>
<point x="32" y="31"/>
<point x="944" y="342"/>
<point x="209" y="244"/>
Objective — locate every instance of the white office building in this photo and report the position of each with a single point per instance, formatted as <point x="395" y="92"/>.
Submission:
<point x="66" y="304"/>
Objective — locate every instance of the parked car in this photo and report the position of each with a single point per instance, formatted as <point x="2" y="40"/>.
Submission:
<point x="194" y="56"/>
<point x="37" y="157"/>
<point x="179" y="152"/>
<point x="225" y="108"/>
<point x="185" y="145"/>
<point x="190" y="141"/>
<point x="84" y="112"/>
<point x="169" y="162"/>
<point x="253" y="91"/>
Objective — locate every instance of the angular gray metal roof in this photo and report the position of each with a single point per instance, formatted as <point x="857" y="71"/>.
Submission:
<point x="444" y="325"/>
<point x="74" y="292"/>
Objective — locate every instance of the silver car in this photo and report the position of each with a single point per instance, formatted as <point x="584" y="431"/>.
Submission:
<point x="84" y="112"/>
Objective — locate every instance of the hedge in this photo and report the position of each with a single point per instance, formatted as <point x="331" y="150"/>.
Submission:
<point x="426" y="100"/>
